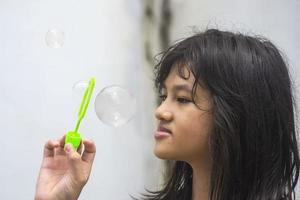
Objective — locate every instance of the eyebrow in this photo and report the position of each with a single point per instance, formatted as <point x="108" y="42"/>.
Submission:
<point x="180" y="87"/>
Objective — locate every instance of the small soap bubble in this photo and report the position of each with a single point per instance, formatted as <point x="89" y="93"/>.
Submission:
<point x="55" y="38"/>
<point x="115" y="106"/>
<point x="79" y="88"/>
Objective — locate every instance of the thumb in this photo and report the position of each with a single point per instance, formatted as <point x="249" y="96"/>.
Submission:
<point x="73" y="156"/>
<point x="74" y="174"/>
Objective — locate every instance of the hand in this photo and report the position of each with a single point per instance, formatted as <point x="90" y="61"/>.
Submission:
<point x="64" y="171"/>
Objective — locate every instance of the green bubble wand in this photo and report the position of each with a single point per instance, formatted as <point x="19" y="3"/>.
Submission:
<point x="74" y="137"/>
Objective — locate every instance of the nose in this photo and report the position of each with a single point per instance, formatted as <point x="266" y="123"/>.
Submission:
<point x="163" y="113"/>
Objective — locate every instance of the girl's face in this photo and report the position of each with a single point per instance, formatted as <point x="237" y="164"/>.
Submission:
<point x="183" y="127"/>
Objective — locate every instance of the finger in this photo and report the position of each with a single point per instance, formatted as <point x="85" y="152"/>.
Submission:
<point x="49" y="148"/>
<point x="89" y="151"/>
<point x="74" y="158"/>
<point x="80" y="148"/>
<point x="62" y="141"/>
<point x="59" y="151"/>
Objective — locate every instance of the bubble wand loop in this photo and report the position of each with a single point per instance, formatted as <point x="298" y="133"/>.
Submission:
<point x="74" y="137"/>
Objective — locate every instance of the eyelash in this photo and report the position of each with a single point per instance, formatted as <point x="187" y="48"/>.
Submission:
<point x="162" y="97"/>
<point x="183" y="100"/>
<point x="179" y="99"/>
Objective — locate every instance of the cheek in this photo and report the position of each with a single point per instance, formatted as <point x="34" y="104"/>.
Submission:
<point x="193" y="142"/>
<point x="190" y="141"/>
<point x="194" y="137"/>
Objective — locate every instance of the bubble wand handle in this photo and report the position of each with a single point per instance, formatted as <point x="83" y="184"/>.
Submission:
<point x="85" y="102"/>
<point x="74" y="137"/>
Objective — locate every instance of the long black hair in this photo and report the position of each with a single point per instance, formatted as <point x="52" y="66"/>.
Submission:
<point x="254" y="145"/>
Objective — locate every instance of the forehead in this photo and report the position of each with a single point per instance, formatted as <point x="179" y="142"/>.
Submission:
<point x="179" y="75"/>
<point x="180" y="78"/>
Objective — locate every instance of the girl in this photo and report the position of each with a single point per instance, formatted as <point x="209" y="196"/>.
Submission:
<point x="226" y="118"/>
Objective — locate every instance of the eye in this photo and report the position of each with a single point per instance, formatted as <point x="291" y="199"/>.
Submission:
<point x="183" y="100"/>
<point x="162" y="97"/>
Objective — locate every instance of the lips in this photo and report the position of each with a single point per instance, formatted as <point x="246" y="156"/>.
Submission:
<point x="162" y="132"/>
<point x="163" y="129"/>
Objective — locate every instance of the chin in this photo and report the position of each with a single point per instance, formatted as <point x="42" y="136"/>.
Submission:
<point x="163" y="153"/>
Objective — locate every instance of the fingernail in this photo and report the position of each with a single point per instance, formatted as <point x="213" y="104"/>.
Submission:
<point x="68" y="148"/>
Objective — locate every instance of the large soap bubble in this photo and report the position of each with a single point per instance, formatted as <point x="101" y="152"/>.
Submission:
<point x="115" y="106"/>
<point x="55" y="38"/>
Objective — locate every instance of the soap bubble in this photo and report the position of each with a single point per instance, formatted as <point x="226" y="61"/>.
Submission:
<point x="115" y="106"/>
<point x="55" y="38"/>
<point x="79" y="88"/>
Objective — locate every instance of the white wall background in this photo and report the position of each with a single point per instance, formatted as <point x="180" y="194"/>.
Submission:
<point x="102" y="39"/>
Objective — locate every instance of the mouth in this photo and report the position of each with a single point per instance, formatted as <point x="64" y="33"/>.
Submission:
<point x="162" y="132"/>
<point x="164" y="129"/>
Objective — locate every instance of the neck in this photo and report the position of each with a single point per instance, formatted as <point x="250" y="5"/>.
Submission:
<point x="201" y="182"/>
